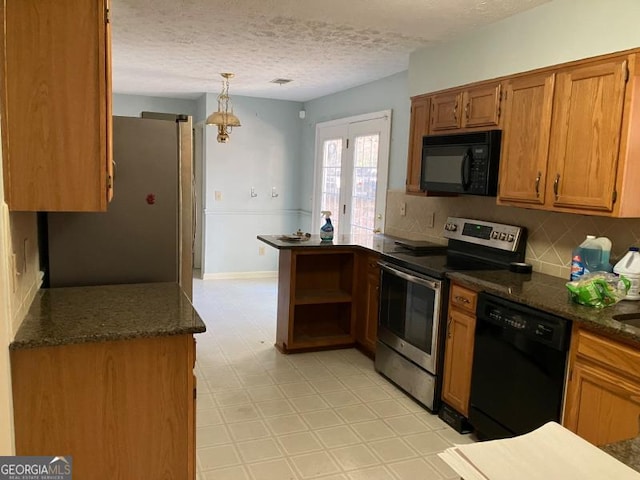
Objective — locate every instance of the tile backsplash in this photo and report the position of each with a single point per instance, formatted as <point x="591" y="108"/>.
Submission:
<point x="551" y="236"/>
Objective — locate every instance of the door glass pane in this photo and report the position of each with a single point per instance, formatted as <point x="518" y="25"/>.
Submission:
<point x="331" y="170"/>
<point x="365" y="173"/>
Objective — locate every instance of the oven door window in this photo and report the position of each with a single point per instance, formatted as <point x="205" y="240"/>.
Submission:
<point x="407" y="310"/>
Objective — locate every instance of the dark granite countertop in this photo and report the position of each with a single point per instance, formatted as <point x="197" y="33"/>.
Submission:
<point x="628" y="452"/>
<point x="60" y="316"/>
<point x="375" y="243"/>
<point x="550" y="294"/>
<point x="537" y="290"/>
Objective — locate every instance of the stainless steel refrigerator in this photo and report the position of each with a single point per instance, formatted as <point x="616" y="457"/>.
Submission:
<point x="146" y="235"/>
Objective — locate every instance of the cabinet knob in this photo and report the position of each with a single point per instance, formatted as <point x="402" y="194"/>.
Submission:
<point x="538" y="184"/>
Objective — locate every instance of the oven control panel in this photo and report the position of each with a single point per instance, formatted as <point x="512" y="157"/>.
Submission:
<point x="489" y="234"/>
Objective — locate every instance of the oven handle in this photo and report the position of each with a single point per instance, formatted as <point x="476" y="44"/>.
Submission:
<point x="432" y="284"/>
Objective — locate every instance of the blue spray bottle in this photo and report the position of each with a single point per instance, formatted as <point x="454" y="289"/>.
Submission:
<point x="326" y="231"/>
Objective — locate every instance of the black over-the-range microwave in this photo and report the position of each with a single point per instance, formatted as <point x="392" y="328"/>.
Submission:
<point x="461" y="163"/>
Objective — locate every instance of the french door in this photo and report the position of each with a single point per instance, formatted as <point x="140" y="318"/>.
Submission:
<point x="352" y="163"/>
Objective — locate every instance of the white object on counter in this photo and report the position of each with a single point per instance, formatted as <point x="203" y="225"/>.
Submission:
<point x="548" y="453"/>
<point x="629" y="266"/>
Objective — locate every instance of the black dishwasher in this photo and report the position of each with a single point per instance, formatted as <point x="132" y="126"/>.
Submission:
<point x="519" y="363"/>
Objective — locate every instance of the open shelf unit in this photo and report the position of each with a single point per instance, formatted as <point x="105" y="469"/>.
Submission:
<point x="315" y="299"/>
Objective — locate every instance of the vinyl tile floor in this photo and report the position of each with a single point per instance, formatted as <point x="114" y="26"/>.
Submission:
<point x="262" y="415"/>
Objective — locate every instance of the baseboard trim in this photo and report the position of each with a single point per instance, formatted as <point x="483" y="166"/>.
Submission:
<point x="239" y="275"/>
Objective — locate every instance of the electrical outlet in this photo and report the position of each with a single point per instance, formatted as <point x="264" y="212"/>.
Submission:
<point x="430" y="219"/>
<point x="403" y="209"/>
<point x="260" y="250"/>
<point x="218" y="195"/>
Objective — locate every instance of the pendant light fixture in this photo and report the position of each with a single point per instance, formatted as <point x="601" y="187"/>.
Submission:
<point x="224" y="117"/>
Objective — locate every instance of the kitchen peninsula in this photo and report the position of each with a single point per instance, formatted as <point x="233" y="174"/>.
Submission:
<point x="327" y="291"/>
<point x="105" y="374"/>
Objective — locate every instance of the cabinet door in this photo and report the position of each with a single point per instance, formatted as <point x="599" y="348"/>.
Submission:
<point x="371" y="311"/>
<point x="482" y="106"/>
<point x="585" y="138"/>
<point x="525" y="139"/>
<point x="102" y="401"/>
<point x="109" y="105"/>
<point x="367" y="304"/>
<point x="56" y="117"/>
<point x="601" y="407"/>
<point x="445" y="111"/>
<point x="419" y="127"/>
<point x="458" y="357"/>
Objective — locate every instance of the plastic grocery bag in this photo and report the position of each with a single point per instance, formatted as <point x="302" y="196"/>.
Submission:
<point x="599" y="289"/>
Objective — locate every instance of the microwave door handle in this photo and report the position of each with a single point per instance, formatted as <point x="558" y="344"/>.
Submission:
<point x="465" y="168"/>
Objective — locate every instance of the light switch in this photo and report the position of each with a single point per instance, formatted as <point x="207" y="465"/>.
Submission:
<point x="218" y="195"/>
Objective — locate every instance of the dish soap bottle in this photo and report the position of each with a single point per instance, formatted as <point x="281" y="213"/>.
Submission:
<point x="326" y="231"/>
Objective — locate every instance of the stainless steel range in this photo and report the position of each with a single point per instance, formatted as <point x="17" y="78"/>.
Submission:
<point x="413" y="299"/>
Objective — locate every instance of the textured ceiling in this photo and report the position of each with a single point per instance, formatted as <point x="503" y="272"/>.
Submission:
<point x="177" y="48"/>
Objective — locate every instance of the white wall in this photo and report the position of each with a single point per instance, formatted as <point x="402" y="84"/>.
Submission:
<point x="263" y="153"/>
<point x="556" y="32"/>
<point x="133" y="105"/>
<point x="19" y="237"/>
<point x="6" y="332"/>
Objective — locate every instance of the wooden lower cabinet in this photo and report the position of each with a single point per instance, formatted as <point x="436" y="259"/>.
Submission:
<point x="368" y="302"/>
<point x="122" y="409"/>
<point x="458" y="353"/>
<point x="603" y="392"/>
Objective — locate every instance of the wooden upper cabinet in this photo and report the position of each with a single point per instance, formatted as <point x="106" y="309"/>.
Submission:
<point x="525" y="140"/>
<point x="418" y="127"/>
<point x="470" y="108"/>
<point x="446" y="111"/>
<point x="56" y="115"/>
<point x="482" y="106"/>
<point x="585" y="141"/>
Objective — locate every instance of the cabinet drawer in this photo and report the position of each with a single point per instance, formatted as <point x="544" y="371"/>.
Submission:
<point x="463" y="298"/>
<point x="614" y="355"/>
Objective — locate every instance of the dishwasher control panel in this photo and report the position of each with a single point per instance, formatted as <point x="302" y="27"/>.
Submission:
<point x="524" y="320"/>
